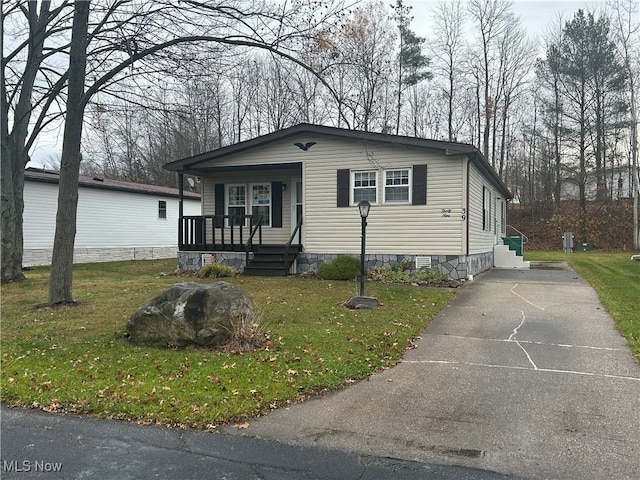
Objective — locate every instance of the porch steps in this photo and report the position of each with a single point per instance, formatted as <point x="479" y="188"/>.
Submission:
<point x="270" y="261"/>
<point x="503" y="257"/>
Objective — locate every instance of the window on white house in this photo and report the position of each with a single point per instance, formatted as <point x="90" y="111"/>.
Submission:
<point x="396" y="186"/>
<point x="486" y="209"/>
<point x="365" y="187"/>
<point x="236" y="204"/>
<point x="261" y="203"/>
<point x="162" y="209"/>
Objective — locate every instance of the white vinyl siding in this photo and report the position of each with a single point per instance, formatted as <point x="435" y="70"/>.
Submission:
<point x="105" y="218"/>
<point x="482" y="212"/>
<point x="392" y="228"/>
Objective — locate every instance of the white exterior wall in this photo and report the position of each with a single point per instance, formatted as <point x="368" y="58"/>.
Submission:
<point x="482" y="240"/>
<point x="110" y="224"/>
<point x="392" y="228"/>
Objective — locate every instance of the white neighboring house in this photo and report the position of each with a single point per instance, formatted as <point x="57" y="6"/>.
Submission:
<point x="434" y="203"/>
<point x="116" y="220"/>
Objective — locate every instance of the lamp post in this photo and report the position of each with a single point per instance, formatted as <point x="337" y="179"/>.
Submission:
<point x="364" y="207"/>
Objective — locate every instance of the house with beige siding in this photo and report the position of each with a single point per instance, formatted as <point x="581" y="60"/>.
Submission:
<point x="116" y="220"/>
<point x="287" y="201"/>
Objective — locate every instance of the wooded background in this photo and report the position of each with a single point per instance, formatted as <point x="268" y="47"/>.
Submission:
<point x="609" y="225"/>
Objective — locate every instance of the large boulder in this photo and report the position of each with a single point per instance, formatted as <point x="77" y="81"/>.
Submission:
<point x="191" y="313"/>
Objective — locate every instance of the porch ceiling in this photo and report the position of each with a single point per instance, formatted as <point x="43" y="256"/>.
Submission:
<point x="206" y="171"/>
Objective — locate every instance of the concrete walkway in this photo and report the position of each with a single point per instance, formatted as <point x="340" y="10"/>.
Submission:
<point x="523" y="374"/>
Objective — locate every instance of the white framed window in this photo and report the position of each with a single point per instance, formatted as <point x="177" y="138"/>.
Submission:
<point x="261" y="203"/>
<point x="236" y="204"/>
<point x="486" y="209"/>
<point x="396" y="185"/>
<point x="365" y="187"/>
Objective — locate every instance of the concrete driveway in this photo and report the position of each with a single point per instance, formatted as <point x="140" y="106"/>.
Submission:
<point x="523" y="374"/>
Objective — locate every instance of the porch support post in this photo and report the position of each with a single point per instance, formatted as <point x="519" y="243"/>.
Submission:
<point x="180" y="208"/>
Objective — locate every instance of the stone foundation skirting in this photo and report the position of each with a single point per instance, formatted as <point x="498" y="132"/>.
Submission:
<point x="457" y="267"/>
<point x="188" y="261"/>
<point x="42" y="256"/>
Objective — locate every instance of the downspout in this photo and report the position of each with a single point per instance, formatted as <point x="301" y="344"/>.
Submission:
<point x="466" y="216"/>
<point x="180" y="208"/>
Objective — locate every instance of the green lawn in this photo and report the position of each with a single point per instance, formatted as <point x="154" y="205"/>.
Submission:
<point x="616" y="279"/>
<point x="76" y="359"/>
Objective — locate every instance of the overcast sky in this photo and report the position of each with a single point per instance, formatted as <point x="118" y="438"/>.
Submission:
<point x="536" y="15"/>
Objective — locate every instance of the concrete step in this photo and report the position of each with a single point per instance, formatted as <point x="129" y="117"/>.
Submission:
<point x="503" y="257"/>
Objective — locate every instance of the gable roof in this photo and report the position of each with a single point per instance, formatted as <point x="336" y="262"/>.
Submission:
<point x="447" y="148"/>
<point x="51" y="176"/>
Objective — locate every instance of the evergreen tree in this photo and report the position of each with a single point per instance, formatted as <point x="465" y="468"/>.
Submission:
<point x="412" y="63"/>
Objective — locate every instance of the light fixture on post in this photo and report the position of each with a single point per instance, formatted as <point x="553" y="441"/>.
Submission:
<point x="364" y="207"/>
<point x="360" y="301"/>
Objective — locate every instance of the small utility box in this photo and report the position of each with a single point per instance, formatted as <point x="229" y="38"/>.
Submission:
<point x="567" y="242"/>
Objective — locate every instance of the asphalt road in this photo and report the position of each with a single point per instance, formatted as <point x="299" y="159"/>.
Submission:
<point x="57" y="446"/>
<point x="523" y="374"/>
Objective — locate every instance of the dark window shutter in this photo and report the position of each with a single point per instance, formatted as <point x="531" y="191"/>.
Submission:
<point x="343" y="188"/>
<point x="419" y="187"/>
<point x="219" y="205"/>
<point x="276" y="204"/>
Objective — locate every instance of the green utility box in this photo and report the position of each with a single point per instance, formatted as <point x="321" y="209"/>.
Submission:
<point x="584" y="247"/>
<point x="514" y="243"/>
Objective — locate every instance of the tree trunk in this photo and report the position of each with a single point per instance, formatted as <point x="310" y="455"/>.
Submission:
<point x="60" y="282"/>
<point x="12" y="179"/>
<point x="14" y="151"/>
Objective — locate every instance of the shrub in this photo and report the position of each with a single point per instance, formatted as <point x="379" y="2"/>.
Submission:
<point x="429" y="276"/>
<point x="398" y="274"/>
<point x="388" y="275"/>
<point x="216" y="270"/>
<point x="342" y="268"/>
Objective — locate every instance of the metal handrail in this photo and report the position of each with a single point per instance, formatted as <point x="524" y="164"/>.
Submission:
<point x="525" y="239"/>
<point x="298" y="230"/>
<point x="248" y="246"/>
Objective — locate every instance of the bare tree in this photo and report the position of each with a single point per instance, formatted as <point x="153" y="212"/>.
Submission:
<point x="516" y="53"/>
<point x="492" y="17"/>
<point x="626" y="26"/>
<point x="62" y="259"/>
<point x="24" y="96"/>
<point x="446" y="47"/>
<point x="126" y="38"/>
<point x="360" y="61"/>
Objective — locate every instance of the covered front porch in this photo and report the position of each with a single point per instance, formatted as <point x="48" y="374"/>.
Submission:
<point x="250" y="211"/>
<point x="209" y="234"/>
